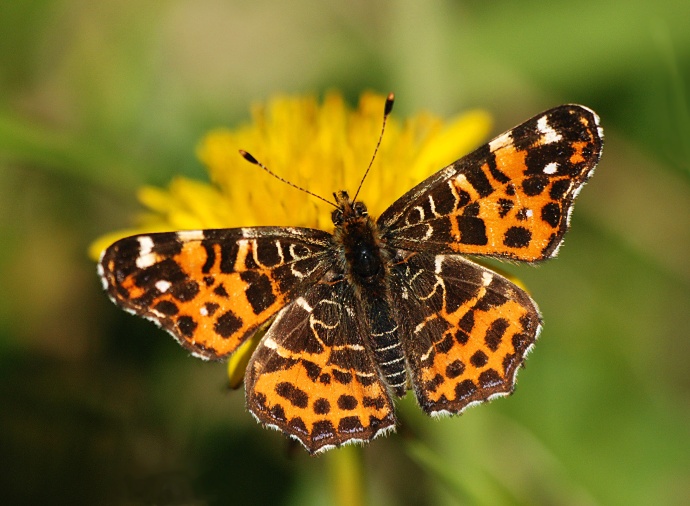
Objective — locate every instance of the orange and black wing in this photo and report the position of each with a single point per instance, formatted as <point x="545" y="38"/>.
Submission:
<point x="313" y="376"/>
<point x="467" y="330"/>
<point x="511" y="198"/>
<point x="212" y="289"/>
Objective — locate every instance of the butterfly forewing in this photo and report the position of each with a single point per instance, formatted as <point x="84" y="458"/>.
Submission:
<point x="212" y="289"/>
<point x="510" y="198"/>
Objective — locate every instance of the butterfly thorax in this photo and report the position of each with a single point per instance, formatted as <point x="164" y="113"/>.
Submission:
<point x="358" y="239"/>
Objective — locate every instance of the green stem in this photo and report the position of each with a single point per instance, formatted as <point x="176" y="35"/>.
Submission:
<point x="347" y="476"/>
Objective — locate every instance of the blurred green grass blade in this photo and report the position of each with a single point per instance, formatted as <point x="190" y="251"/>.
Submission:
<point x="469" y="485"/>
<point x="28" y="144"/>
<point x="678" y="101"/>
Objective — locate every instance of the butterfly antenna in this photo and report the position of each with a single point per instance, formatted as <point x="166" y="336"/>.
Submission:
<point x="390" y="99"/>
<point x="253" y="160"/>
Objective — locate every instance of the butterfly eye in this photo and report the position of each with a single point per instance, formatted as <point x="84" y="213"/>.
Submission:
<point x="360" y="209"/>
<point x="337" y="217"/>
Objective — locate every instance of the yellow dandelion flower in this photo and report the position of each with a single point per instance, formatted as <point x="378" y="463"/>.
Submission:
<point x="323" y="147"/>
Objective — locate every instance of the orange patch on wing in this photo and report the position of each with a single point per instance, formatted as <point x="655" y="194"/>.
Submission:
<point x="475" y="356"/>
<point x="317" y="402"/>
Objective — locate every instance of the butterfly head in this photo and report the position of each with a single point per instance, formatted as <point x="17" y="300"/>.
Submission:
<point x="347" y="211"/>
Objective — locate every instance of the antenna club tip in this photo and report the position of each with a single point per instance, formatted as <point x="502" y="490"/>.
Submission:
<point x="248" y="157"/>
<point x="390" y="99"/>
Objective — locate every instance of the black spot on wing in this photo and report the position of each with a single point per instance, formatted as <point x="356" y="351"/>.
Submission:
<point x="347" y="402"/>
<point x="259" y="291"/>
<point x="323" y="429"/>
<point x="186" y="325"/>
<point x="185" y="291"/>
<point x="490" y="378"/>
<point x="551" y="214"/>
<point x="350" y="425"/>
<point x="465" y="389"/>
<point x="495" y="332"/>
<point x="504" y="207"/>
<point x="534" y="185"/>
<point x="295" y="395"/>
<point x="479" y="359"/>
<point x="472" y="230"/>
<point x="559" y="189"/>
<point x="322" y="406"/>
<point x="227" y="324"/>
<point x="455" y="369"/>
<point x="517" y="237"/>
<point x="166" y="307"/>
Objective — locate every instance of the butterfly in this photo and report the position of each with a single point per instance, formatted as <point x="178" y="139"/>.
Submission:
<point x="380" y="306"/>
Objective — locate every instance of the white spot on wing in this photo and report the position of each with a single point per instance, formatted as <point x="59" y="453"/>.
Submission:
<point x="501" y="141"/>
<point x="301" y="302"/>
<point x="190" y="235"/>
<point x="146" y="256"/>
<point x="163" y="285"/>
<point x="101" y="274"/>
<point x="270" y="343"/>
<point x="550" y="135"/>
<point x="487" y="277"/>
<point x="438" y="261"/>
<point x="576" y="191"/>
<point x="551" y="168"/>
<point x="144" y="261"/>
<point x="145" y="244"/>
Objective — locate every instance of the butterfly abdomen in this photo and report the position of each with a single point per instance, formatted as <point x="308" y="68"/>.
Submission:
<point x="386" y="345"/>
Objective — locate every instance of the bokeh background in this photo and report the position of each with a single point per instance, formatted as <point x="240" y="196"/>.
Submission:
<point x="98" y="98"/>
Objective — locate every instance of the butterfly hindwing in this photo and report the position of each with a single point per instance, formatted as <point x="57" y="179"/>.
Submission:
<point x="212" y="289"/>
<point x="313" y="376"/>
<point x="510" y="198"/>
<point x="468" y="330"/>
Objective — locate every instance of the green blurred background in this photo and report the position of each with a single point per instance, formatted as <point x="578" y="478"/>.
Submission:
<point x="97" y="98"/>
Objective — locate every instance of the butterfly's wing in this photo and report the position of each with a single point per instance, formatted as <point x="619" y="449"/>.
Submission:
<point x="468" y="330"/>
<point x="312" y="375"/>
<point x="212" y="289"/>
<point x="511" y="198"/>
